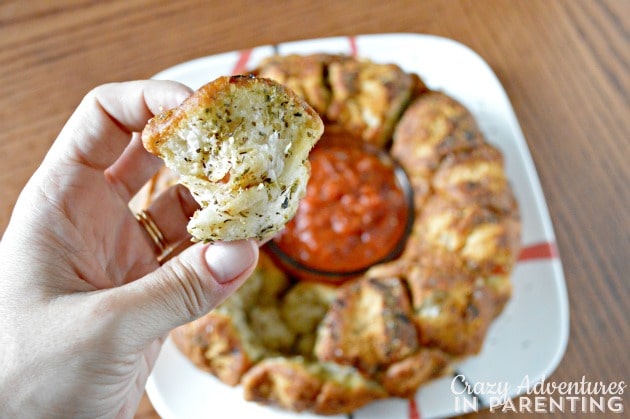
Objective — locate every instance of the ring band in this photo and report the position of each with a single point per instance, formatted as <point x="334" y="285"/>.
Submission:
<point x="153" y="231"/>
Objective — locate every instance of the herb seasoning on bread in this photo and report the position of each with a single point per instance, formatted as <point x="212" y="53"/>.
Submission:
<point x="240" y="144"/>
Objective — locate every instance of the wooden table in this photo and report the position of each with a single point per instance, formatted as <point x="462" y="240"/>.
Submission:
<point x="564" y="64"/>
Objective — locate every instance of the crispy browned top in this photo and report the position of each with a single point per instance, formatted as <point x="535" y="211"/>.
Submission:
<point x="209" y="95"/>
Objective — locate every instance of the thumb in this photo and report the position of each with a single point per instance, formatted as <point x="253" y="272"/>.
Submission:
<point x="185" y="288"/>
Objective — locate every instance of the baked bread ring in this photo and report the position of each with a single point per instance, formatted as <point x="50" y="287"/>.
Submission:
<point x="331" y="349"/>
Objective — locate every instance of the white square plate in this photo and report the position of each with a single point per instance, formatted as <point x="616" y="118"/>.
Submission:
<point x="528" y="339"/>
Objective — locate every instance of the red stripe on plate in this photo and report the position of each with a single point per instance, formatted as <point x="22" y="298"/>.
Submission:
<point x="414" y="413"/>
<point x="538" y="251"/>
<point x="241" y="63"/>
<point x="353" y="46"/>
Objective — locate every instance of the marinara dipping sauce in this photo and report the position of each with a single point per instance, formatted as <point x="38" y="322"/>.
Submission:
<point x="354" y="214"/>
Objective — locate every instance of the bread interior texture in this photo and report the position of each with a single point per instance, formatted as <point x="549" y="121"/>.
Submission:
<point x="243" y="155"/>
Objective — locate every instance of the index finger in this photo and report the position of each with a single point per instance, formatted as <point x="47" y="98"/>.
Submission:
<point x="100" y="128"/>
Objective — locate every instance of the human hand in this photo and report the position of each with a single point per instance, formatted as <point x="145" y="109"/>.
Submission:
<point x="85" y="306"/>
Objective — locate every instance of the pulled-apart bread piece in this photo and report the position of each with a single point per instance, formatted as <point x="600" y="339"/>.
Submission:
<point x="240" y="144"/>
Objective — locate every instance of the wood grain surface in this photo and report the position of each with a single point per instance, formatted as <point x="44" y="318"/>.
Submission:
<point x="564" y="64"/>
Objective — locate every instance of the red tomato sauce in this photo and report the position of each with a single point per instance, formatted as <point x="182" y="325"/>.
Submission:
<point x="354" y="213"/>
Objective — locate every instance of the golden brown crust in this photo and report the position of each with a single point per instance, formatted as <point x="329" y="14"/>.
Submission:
<point x="306" y="75"/>
<point x="335" y="397"/>
<point x="209" y="95"/>
<point x="403" y="378"/>
<point x="297" y="385"/>
<point x="432" y="127"/>
<point x="213" y="344"/>
<point x="484" y="240"/>
<point x="363" y="97"/>
<point x="476" y="177"/>
<point x="368" y="98"/>
<point x="283" y="383"/>
<point x="453" y="309"/>
<point x="368" y="326"/>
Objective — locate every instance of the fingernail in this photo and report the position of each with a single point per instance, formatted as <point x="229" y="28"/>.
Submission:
<point x="227" y="260"/>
